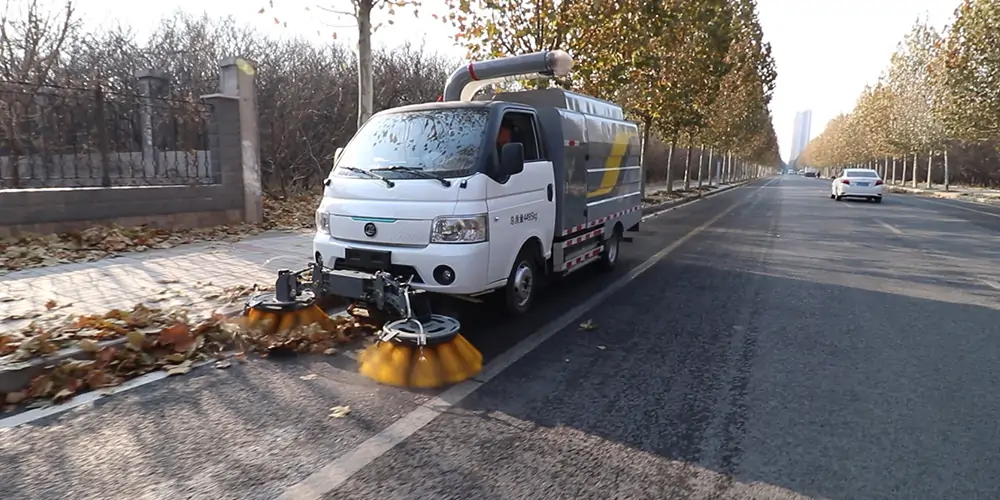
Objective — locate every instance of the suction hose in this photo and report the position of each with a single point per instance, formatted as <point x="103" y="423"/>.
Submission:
<point x="466" y="81"/>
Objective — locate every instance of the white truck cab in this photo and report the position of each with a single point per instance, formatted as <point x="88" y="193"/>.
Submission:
<point x="468" y="197"/>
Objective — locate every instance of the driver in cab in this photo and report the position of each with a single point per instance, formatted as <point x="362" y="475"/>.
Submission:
<point x="505" y="135"/>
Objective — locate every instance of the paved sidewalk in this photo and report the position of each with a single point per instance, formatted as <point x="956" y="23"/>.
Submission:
<point x="196" y="275"/>
<point x="190" y="275"/>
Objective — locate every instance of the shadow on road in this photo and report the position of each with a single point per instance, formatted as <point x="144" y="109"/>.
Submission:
<point x="860" y="403"/>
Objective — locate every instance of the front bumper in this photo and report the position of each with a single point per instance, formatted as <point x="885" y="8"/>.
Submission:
<point x="469" y="262"/>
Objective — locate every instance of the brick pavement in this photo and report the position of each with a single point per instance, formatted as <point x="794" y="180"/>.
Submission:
<point x="187" y="275"/>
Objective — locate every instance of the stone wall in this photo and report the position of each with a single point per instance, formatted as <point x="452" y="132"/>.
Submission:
<point x="230" y="194"/>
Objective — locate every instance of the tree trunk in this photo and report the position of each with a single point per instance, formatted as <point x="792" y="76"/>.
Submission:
<point x="687" y="164"/>
<point x="366" y="90"/>
<point x="647" y="125"/>
<point x="701" y="158"/>
<point x="711" y="166"/>
<point x="902" y="175"/>
<point x="930" y="164"/>
<point x="727" y="170"/>
<point x="946" y="180"/>
<point x="913" y="183"/>
<point x="893" y="170"/>
<point x="670" y="163"/>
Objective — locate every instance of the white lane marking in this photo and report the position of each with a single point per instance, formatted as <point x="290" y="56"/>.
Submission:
<point x="937" y="202"/>
<point x="990" y="283"/>
<point x="343" y="467"/>
<point x="889" y="227"/>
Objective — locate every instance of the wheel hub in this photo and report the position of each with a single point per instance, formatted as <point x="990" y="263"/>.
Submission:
<point x="523" y="283"/>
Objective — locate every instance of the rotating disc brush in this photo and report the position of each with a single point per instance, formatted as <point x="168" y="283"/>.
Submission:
<point x="270" y="316"/>
<point x="421" y="355"/>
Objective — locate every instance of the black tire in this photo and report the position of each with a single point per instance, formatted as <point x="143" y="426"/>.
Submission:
<point x="832" y="196"/>
<point x="838" y="198"/>
<point x="878" y="199"/>
<point x="609" y="256"/>
<point x="519" y="293"/>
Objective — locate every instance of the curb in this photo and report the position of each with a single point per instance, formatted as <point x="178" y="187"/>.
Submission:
<point x="16" y="376"/>
<point x="659" y="207"/>
<point x="921" y="193"/>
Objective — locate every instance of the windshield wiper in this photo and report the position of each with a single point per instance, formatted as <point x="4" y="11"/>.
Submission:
<point x="418" y="172"/>
<point x="370" y="174"/>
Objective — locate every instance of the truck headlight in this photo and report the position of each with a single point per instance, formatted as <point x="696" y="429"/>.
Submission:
<point x="322" y="222"/>
<point x="461" y="229"/>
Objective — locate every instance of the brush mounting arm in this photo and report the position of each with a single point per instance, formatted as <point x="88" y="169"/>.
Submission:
<point x="288" y="287"/>
<point x="392" y="295"/>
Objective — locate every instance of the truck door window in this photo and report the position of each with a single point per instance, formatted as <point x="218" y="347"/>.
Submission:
<point x="522" y="129"/>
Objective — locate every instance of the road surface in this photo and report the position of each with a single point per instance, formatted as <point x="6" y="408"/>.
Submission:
<point x="777" y="345"/>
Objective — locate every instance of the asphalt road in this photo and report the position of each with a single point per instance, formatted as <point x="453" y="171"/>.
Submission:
<point x="797" y="347"/>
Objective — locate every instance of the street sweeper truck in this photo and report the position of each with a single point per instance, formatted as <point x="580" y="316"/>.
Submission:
<point x="465" y="197"/>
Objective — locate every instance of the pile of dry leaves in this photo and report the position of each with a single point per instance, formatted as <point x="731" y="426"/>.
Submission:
<point x="295" y="212"/>
<point x="151" y="339"/>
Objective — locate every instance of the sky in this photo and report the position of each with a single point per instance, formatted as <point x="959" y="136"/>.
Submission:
<point x="826" y="51"/>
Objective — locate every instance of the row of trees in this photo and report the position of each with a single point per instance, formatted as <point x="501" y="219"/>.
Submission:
<point x="696" y="73"/>
<point x="933" y="116"/>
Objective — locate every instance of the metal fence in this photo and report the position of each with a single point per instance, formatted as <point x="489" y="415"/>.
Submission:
<point x="57" y="137"/>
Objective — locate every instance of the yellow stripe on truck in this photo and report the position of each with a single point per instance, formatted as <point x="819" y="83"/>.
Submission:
<point x="614" y="162"/>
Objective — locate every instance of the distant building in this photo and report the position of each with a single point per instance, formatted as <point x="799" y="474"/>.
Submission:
<point x="800" y="134"/>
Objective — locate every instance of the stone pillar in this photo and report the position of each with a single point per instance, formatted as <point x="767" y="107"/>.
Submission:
<point x="152" y="85"/>
<point x="234" y="111"/>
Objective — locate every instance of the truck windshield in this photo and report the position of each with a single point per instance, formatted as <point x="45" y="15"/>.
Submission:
<point x="442" y="142"/>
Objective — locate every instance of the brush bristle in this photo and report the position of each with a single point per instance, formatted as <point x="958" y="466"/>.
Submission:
<point x="425" y="367"/>
<point x="272" y="322"/>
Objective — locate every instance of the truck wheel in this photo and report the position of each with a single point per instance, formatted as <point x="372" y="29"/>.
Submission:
<point x="522" y="284"/>
<point x="609" y="256"/>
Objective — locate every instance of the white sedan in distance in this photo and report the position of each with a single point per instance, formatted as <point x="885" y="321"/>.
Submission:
<point x="858" y="183"/>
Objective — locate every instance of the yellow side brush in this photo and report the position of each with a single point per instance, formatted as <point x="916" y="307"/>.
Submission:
<point x="270" y="316"/>
<point x="421" y="355"/>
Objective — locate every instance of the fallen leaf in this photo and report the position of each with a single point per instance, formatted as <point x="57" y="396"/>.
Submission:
<point x="13" y="398"/>
<point x="340" y="411"/>
<point x="178" y="336"/>
<point x="51" y="305"/>
<point x="601" y="347"/>
<point x="223" y="364"/>
<point x="588" y="325"/>
<point x="63" y="394"/>
<point x="330" y="352"/>
<point x="177" y="357"/>
<point x="88" y="345"/>
<point x="136" y="339"/>
<point x="311" y="376"/>
<point x="180" y="369"/>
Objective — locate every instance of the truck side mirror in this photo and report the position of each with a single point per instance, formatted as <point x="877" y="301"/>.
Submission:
<point x="336" y="155"/>
<point x="511" y="159"/>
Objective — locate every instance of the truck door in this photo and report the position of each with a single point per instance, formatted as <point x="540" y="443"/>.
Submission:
<point x="522" y="205"/>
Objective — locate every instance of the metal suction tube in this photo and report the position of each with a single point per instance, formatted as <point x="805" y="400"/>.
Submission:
<point x="464" y="82"/>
